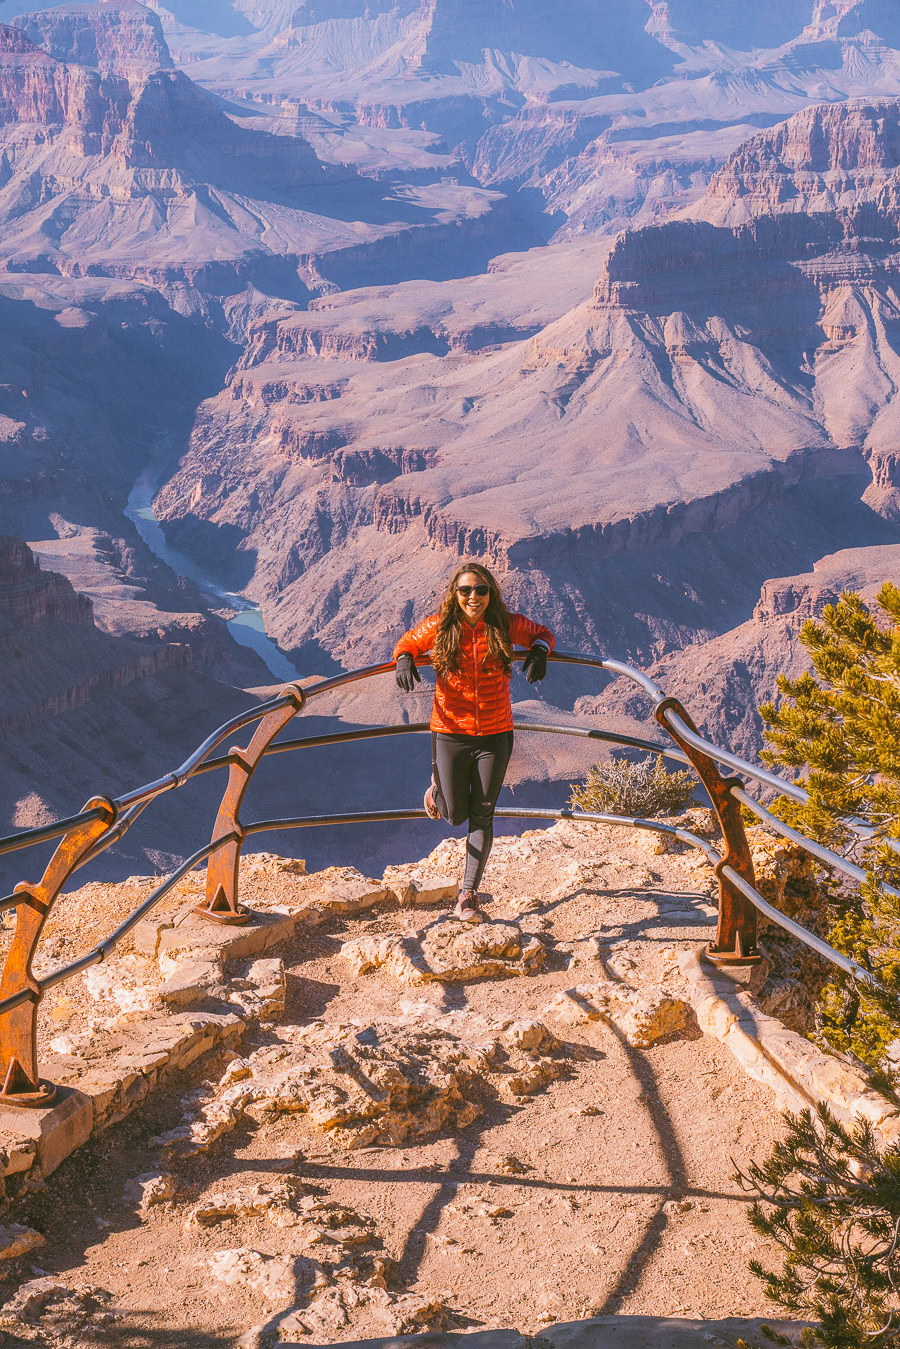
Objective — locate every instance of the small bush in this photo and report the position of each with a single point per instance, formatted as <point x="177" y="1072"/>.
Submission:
<point x="622" y="787"/>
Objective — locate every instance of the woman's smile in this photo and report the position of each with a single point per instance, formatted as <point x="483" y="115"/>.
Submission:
<point x="471" y="602"/>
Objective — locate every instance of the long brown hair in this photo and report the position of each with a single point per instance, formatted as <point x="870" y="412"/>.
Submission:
<point x="445" y="652"/>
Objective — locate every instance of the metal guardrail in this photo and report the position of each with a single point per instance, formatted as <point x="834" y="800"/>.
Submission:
<point x="104" y="821"/>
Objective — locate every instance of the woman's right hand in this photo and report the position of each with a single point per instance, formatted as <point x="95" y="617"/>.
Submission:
<point x="406" y="673"/>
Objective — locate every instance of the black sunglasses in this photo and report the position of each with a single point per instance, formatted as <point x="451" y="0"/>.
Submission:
<point x="466" y="591"/>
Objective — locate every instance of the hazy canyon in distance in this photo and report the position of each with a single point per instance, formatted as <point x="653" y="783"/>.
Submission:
<point x="302" y="300"/>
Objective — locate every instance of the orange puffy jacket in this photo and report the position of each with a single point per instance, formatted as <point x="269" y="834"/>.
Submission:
<point x="475" y="699"/>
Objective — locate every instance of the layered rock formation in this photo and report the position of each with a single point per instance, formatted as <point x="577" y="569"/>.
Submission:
<point x="723" y="681"/>
<point x="123" y="38"/>
<point x="131" y="170"/>
<point x="30" y="597"/>
<point x="637" y="434"/>
<point x="714" y="377"/>
<point x="599" y="114"/>
<point x="833" y="157"/>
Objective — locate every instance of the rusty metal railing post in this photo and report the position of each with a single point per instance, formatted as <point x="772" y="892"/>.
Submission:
<point x="22" y="1085"/>
<point x="735" y="942"/>
<point x="221" y="905"/>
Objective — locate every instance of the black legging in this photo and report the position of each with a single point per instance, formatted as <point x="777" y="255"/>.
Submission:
<point x="468" y="774"/>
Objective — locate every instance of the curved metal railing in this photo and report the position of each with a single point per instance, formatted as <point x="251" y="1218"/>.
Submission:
<point x="105" y="820"/>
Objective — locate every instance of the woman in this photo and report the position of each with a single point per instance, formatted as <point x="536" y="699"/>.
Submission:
<point x="471" y="639"/>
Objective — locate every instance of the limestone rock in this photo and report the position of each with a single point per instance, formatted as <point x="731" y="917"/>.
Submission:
<point x="789" y="1000"/>
<point x="213" y="1119"/>
<point x="534" y="1077"/>
<point x="532" y="1036"/>
<point x="643" y="1015"/>
<point x="656" y="845"/>
<point x="785" y="874"/>
<point x="58" y="1314"/>
<point x="191" y="982"/>
<point x="412" y="1313"/>
<point x="526" y="904"/>
<point x="16" y="1154"/>
<point x="122" y="989"/>
<point x="450" y="951"/>
<point x="341" y="1272"/>
<point x="272" y="1276"/>
<point x="150" y="1188"/>
<point x="30" y="1299"/>
<point x="265" y="863"/>
<point x="415" y="885"/>
<point x="382" y="1083"/>
<point x="379" y="1084"/>
<point x="274" y="1200"/>
<point x="346" y="890"/>
<point x="16" y="1240"/>
<point x="259" y="990"/>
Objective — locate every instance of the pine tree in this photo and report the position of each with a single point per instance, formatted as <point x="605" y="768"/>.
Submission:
<point x="831" y="1201"/>
<point x="838" y="728"/>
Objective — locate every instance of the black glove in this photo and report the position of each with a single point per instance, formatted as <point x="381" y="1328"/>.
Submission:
<point x="534" y="666"/>
<point x="407" y="674"/>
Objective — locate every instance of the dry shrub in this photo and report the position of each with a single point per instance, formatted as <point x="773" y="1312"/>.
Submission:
<point x="623" y="787"/>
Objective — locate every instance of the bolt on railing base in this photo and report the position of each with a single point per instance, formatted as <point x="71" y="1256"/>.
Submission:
<point x="220" y="911"/>
<point x="738" y="956"/>
<point x="19" y="1090"/>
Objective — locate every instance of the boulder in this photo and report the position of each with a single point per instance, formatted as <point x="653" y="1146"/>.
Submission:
<point x="643" y="1015"/>
<point x="450" y="951"/>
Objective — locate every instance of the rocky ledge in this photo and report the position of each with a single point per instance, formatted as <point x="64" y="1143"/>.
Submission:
<point x="328" y="1117"/>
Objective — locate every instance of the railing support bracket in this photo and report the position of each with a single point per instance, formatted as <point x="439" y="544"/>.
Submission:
<point x="221" y="904"/>
<point x="19" y="1089"/>
<point x="22" y="1086"/>
<point x="220" y="910"/>
<point x="735" y="942"/>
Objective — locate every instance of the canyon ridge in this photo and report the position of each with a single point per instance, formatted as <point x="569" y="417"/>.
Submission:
<point x="307" y="300"/>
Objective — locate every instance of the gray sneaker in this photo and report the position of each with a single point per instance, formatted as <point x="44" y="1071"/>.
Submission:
<point x="467" y="908"/>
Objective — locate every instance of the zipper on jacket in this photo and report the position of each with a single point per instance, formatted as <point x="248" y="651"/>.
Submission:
<point x="475" y="643"/>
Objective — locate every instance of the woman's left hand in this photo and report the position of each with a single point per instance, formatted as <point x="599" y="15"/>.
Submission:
<point x="534" y="666"/>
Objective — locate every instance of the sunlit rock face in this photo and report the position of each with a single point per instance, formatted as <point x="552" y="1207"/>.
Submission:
<point x="716" y="374"/>
<point x="125" y="37"/>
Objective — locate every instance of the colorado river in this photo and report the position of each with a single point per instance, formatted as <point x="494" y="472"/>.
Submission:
<point x="247" y="627"/>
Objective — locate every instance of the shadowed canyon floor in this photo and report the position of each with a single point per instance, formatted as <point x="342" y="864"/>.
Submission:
<point x="450" y="1141"/>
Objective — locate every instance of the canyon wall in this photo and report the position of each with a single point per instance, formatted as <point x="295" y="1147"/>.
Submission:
<point x="721" y="382"/>
<point x="54" y="658"/>
<point x="274" y="267"/>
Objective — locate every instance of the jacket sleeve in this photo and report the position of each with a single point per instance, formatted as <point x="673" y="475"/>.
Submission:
<point x="524" y="631"/>
<point x="418" y="640"/>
